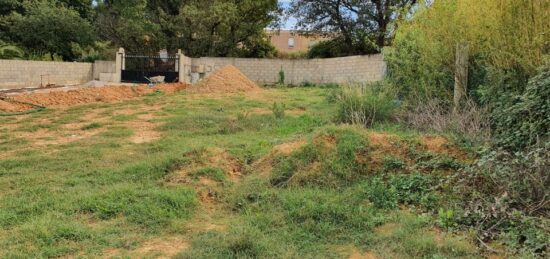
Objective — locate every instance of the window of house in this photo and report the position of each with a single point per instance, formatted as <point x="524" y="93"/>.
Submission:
<point x="291" y="42"/>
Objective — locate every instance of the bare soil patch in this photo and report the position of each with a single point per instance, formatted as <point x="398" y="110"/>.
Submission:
<point x="86" y="95"/>
<point x="166" y="247"/>
<point x="353" y="253"/>
<point x="144" y="129"/>
<point x="384" y="145"/>
<point x="44" y="137"/>
<point x="441" y="145"/>
<point x="162" y="247"/>
<point x="358" y="255"/>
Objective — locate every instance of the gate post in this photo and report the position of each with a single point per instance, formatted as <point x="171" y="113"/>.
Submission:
<point x="119" y="65"/>
<point x="183" y="67"/>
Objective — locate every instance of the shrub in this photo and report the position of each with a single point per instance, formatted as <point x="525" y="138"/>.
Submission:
<point x="504" y="191"/>
<point x="9" y="51"/>
<point x="381" y="195"/>
<point x="281" y="77"/>
<point x="414" y="188"/>
<point x="338" y="48"/>
<point x="414" y="71"/>
<point x="527" y="122"/>
<point x="422" y="60"/>
<point x="365" y="105"/>
<point x="278" y="110"/>
<point x="434" y="115"/>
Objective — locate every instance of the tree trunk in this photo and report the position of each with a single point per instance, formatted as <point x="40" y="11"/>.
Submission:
<point x="461" y="75"/>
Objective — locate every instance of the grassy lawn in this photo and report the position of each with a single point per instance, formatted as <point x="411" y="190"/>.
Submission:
<point x="193" y="176"/>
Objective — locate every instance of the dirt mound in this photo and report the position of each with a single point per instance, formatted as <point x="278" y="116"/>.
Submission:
<point x="13" y="107"/>
<point x="228" y="79"/>
<point x="264" y="165"/>
<point x="441" y="145"/>
<point x="86" y="95"/>
<point x="207" y="159"/>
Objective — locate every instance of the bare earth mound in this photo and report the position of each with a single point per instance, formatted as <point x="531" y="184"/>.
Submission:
<point x="86" y="95"/>
<point x="13" y="107"/>
<point x="228" y="79"/>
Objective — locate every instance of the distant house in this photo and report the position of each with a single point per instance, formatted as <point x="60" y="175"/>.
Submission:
<point x="287" y="41"/>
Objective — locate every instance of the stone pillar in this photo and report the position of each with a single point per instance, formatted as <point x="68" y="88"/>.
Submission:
<point x="119" y="65"/>
<point x="184" y="65"/>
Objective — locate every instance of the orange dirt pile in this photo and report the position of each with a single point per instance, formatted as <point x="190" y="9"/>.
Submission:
<point x="86" y="95"/>
<point x="13" y="107"/>
<point x="228" y="79"/>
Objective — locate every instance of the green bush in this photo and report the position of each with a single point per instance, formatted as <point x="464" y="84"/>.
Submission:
<point x="414" y="188"/>
<point x="381" y="195"/>
<point x="338" y="48"/>
<point x="278" y="110"/>
<point x="365" y="105"/>
<point x="503" y="192"/>
<point x="527" y="121"/>
<point x="414" y="74"/>
<point x="281" y="77"/>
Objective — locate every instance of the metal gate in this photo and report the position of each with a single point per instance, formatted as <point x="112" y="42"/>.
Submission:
<point x="138" y="68"/>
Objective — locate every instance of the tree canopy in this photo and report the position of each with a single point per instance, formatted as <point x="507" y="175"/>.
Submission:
<point x="360" y="26"/>
<point x="69" y="28"/>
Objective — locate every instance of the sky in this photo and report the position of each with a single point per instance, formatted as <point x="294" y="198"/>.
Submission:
<point x="289" y="23"/>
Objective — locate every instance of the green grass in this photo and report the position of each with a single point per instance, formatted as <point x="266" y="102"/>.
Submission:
<point x="101" y="193"/>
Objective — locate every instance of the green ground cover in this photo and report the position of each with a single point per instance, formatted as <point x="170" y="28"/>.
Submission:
<point x="223" y="176"/>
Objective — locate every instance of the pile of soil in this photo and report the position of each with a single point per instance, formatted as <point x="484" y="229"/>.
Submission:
<point x="10" y="107"/>
<point x="84" y="96"/>
<point x="228" y="79"/>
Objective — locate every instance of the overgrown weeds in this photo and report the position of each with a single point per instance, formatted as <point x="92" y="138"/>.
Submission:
<point x="364" y="104"/>
<point x="434" y="116"/>
<point x="506" y="194"/>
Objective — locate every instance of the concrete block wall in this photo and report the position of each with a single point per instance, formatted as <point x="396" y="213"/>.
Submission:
<point x="103" y="67"/>
<point x="20" y="73"/>
<point x="23" y="73"/>
<point x="332" y="70"/>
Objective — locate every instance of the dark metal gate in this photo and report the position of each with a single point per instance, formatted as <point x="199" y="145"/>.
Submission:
<point x="137" y="68"/>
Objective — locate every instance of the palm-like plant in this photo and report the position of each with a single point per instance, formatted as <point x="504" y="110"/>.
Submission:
<point x="8" y="51"/>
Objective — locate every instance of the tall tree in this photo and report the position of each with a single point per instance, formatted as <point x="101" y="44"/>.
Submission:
<point x="128" y="24"/>
<point x="198" y="27"/>
<point x="358" y="23"/>
<point x="227" y="28"/>
<point x="83" y="7"/>
<point x="49" y="27"/>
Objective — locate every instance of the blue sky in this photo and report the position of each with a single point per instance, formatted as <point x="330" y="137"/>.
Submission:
<point x="289" y="23"/>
